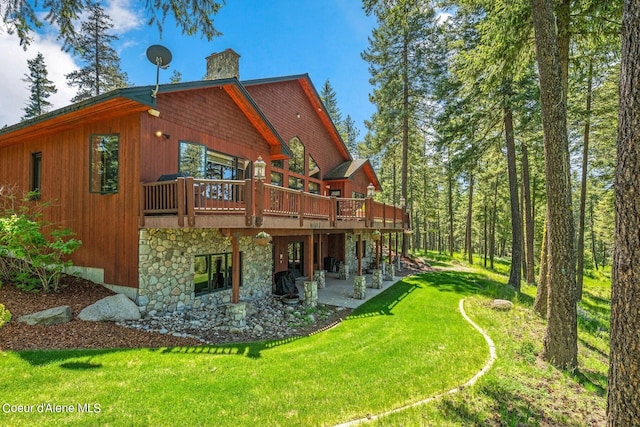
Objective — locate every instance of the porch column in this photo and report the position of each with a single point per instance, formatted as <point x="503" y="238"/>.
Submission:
<point x="309" y="253"/>
<point x="359" y="254"/>
<point x="235" y="269"/>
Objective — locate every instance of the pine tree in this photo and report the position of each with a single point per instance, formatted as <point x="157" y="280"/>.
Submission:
<point x="330" y="101"/>
<point x="40" y="86"/>
<point x="101" y="72"/>
<point x="176" y="77"/>
<point x="350" y="132"/>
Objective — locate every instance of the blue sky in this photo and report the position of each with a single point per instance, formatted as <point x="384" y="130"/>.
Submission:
<point x="274" y="38"/>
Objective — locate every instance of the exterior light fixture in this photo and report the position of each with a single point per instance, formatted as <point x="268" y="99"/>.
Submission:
<point x="402" y="202"/>
<point x="161" y="134"/>
<point x="259" y="168"/>
<point x="371" y="190"/>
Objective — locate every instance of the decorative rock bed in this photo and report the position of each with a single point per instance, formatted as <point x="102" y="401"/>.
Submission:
<point x="268" y="318"/>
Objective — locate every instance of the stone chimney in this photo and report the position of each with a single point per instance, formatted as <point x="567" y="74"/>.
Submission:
<point x="223" y="65"/>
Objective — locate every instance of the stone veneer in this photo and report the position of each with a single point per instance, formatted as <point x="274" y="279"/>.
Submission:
<point x="166" y="268"/>
<point x="350" y="251"/>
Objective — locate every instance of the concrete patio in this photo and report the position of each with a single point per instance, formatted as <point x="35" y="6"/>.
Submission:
<point x="338" y="292"/>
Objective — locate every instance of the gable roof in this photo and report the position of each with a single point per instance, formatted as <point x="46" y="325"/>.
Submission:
<point x="119" y="102"/>
<point x="347" y="169"/>
<point x="314" y="99"/>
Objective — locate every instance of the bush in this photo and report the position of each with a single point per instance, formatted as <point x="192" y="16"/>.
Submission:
<point x="5" y="316"/>
<point x="32" y="250"/>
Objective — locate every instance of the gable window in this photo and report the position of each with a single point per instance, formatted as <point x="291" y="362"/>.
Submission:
<point x="296" y="163"/>
<point x="314" y="169"/>
<point x="103" y="163"/>
<point x="36" y="176"/>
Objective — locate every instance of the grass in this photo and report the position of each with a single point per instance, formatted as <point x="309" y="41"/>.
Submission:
<point x="407" y="344"/>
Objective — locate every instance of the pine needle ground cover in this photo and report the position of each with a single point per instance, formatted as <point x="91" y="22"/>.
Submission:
<point x="405" y="345"/>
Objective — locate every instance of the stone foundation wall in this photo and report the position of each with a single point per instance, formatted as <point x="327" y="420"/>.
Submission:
<point x="352" y="259"/>
<point x="166" y="268"/>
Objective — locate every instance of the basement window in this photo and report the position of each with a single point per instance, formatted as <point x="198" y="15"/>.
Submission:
<point x="104" y="163"/>
<point x="212" y="272"/>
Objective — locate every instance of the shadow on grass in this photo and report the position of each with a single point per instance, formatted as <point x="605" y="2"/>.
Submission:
<point x="592" y="381"/>
<point x="509" y="408"/>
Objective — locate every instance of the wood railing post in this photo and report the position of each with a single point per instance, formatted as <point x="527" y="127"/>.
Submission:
<point x="384" y="215"/>
<point x="180" y="200"/>
<point x="142" y="197"/>
<point x="249" y="195"/>
<point x="333" y="211"/>
<point x="368" y="220"/>
<point x="259" y="202"/>
<point x="190" y="201"/>
<point x="301" y="210"/>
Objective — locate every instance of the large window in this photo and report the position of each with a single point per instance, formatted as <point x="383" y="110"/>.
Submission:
<point x="103" y="173"/>
<point x="213" y="272"/>
<point x="199" y="162"/>
<point x="314" y="169"/>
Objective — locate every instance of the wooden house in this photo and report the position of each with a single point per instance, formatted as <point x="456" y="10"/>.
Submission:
<point x="168" y="187"/>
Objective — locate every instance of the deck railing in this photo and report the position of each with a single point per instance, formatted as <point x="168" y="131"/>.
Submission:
<point x="189" y="197"/>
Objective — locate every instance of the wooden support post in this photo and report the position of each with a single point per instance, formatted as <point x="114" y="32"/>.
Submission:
<point x="320" y="257"/>
<point x="190" y="198"/>
<point x="141" y="207"/>
<point x="309" y="260"/>
<point x="249" y="194"/>
<point x="180" y="199"/>
<point x="235" y="269"/>
<point x="333" y="208"/>
<point x="259" y="203"/>
<point x="301" y="209"/>
<point x="359" y="254"/>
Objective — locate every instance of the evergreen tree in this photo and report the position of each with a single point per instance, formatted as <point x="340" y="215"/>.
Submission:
<point x="330" y="101"/>
<point x="101" y="72"/>
<point x="350" y="133"/>
<point x="40" y="87"/>
<point x="402" y="54"/>
<point x="21" y="18"/>
<point x="176" y="77"/>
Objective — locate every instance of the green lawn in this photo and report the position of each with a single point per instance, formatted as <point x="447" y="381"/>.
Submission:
<point x="407" y="344"/>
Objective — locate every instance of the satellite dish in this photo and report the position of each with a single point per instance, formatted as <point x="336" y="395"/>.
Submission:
<point x="161" y="57"/>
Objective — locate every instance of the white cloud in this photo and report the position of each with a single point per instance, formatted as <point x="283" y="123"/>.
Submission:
<point x="14" y="93"/>
<point x="124" y="16"/>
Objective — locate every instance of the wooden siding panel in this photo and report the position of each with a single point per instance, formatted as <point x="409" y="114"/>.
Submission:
<point x="106" y="224"/>
<point x="281" y="102"/>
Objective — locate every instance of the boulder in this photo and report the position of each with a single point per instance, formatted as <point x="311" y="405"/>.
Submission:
<point x="52" y="316"/>
<point x="113" y="308"/>
<point x="501" y="305"/>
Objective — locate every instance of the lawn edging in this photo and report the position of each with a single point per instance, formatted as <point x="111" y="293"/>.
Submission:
<point x="492" y="358"/>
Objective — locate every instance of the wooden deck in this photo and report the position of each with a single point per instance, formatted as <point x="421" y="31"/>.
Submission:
<point x="205" y="203"/>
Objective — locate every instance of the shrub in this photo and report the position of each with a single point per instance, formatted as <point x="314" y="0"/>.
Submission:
<point x="5" y="316"/>
<point x="32" y="250"/>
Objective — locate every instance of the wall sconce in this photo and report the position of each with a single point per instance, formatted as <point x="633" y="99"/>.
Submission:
<point x="371" y="190"/>
<point x="161" y="134"/>
<point x="259" y="167"/>
<point x="402" y="201"/>
<point x="297" y="115"/>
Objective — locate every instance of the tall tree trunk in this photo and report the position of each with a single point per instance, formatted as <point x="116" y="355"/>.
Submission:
<point x="623" y="400"/>
<point x="542" y="296"/>
<point x="450" y="189"/>
<point x="516" y="223"/>
<point x="494" y="216"/>
<point x="468" y="240"/>
<point x="529" y="235"/>
<point x="486" y="236"/>
<point x="593" y="235"/>
<point x="561" y="335"/>
<point x="583" y="186"/>
<point x="405" y="129"/>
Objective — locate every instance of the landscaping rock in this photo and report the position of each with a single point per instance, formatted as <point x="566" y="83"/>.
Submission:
<point x="52" y="316"/>
<point x="114" y="308"/>
<point x="501" y="305"/>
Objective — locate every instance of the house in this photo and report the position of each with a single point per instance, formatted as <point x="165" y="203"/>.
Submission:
<point x="167" y="187"/>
